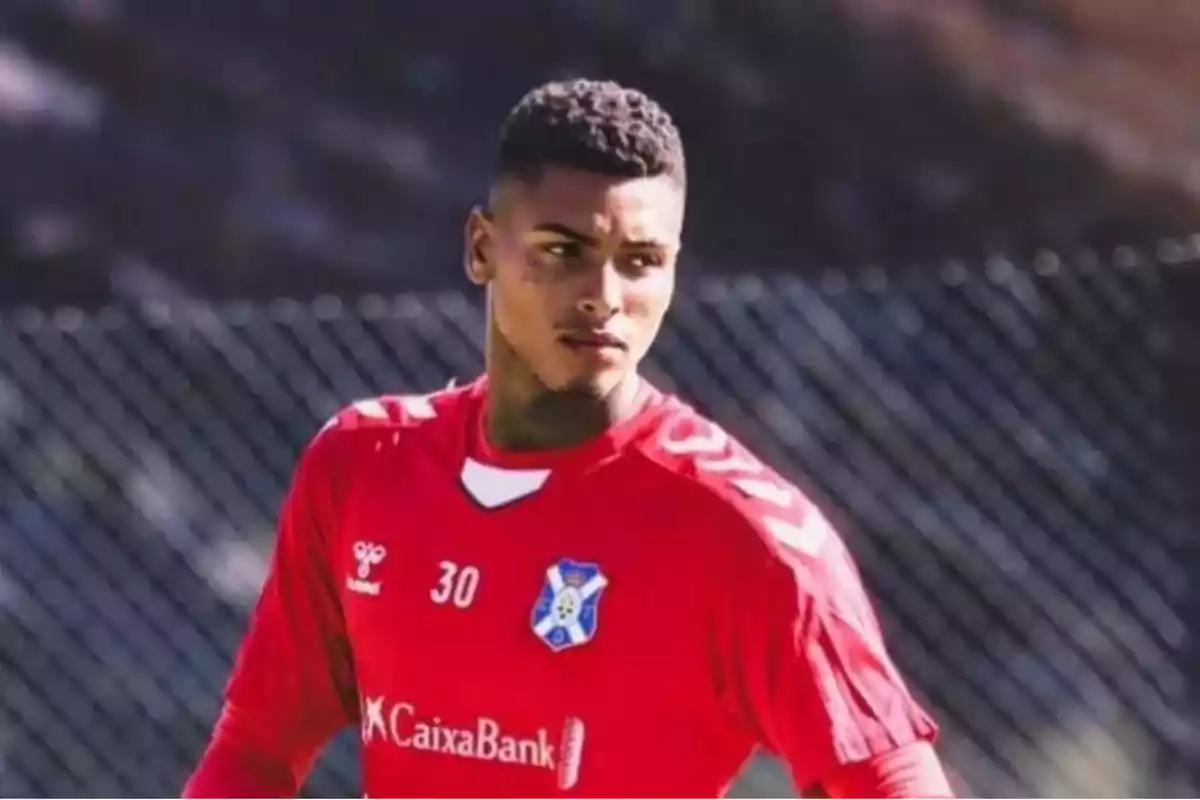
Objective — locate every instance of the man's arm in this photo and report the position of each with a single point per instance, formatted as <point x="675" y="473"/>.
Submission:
<point x="815" y="681"/>
<point x="293" y="685"/>
<point x="909" y="771"/>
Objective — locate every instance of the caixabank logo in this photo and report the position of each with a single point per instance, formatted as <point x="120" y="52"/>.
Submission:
<point x="401" y="724"/>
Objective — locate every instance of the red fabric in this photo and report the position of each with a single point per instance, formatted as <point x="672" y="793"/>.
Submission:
<point x="238" y="763"/>
<point x="293" y="683"/>
<point x="729" y="616"/>
<point x="807" y="666"/>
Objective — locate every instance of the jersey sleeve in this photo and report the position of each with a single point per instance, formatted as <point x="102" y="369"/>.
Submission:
<point x="292" y="685"/>
<point x="809" y="671"/>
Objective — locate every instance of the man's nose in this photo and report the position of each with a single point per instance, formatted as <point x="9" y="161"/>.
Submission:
<point x="601" y="298"/>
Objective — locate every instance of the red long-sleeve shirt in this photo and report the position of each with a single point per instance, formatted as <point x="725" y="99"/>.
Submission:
<point x="631" y="616"/>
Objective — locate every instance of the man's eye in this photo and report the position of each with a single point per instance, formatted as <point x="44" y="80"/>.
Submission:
<point x="645" y="260"/>
<point x="560" y="249"/>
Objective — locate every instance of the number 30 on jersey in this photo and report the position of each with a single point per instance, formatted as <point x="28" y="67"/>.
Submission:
<point x="457" y="585"/>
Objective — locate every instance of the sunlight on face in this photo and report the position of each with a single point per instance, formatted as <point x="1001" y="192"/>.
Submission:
<point x="585" y="272"/>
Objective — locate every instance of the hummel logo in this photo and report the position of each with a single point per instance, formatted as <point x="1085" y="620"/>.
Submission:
<point x="367" y="554"/>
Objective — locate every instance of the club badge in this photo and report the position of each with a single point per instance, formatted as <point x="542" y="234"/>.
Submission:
<point x="565" y="613"/>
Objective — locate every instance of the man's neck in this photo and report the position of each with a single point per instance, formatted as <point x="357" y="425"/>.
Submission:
<point x="521" y="414"/>
<point x="554" y="420"/>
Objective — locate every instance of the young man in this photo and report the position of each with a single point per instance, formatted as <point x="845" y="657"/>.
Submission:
<point x="558" y="580"/>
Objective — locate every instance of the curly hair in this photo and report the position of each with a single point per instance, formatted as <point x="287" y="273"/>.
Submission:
<point x="597" y="126"/>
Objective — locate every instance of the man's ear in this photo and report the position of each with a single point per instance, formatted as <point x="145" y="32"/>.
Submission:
<point x="478" y="247"/>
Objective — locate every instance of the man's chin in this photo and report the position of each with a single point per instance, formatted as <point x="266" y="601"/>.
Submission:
<point x="596" y="383"/>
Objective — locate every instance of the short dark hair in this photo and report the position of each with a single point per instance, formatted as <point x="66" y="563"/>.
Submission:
<point x="596" y="126"/>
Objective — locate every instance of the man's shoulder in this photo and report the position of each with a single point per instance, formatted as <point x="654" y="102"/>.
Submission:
<point x="426" y="421"/>
<point x="728" y="485"/>
<point x="351" y="442"/>
<point x="395" y="413"/>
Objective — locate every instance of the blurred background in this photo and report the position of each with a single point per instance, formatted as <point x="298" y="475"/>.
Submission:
<point x="940" y="269"/>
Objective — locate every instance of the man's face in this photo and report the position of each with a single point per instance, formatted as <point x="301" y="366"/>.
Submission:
<point x="581" y="269"/>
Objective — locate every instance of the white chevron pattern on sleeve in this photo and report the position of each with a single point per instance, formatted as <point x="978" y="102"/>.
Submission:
<point x="779" y="507"/>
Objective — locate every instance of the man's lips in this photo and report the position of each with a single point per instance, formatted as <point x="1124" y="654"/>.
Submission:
<point x="593" y="339"/>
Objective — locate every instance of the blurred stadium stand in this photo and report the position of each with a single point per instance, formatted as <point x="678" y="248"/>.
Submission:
<point x="906" y="284"/>
<point x="266" y="147"/>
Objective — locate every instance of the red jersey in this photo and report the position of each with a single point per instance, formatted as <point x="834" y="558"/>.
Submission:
<point x="632" y="616"/>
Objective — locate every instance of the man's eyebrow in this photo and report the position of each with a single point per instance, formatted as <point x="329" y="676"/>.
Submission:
<point x="646" y="244"/>
<point x="566" y="232"/>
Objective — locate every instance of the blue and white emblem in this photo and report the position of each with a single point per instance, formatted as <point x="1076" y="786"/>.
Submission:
<point x="565" y="614"/>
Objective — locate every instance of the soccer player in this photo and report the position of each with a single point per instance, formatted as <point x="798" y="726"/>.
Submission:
<point x="558" y="579"/>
